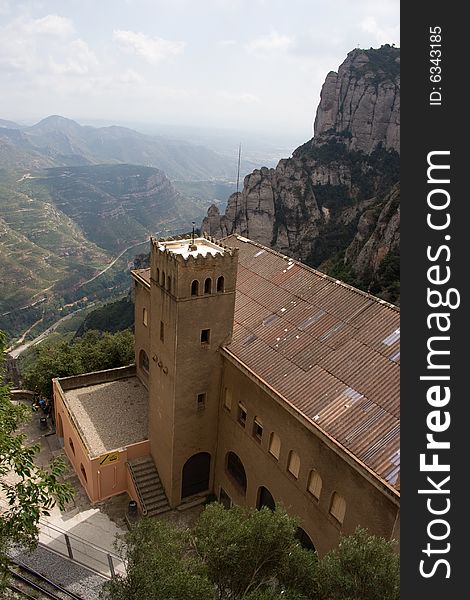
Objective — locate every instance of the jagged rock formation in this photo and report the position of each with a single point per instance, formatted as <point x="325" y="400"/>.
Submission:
<point x="362" y="101"/>
<point x="335" y="203"/>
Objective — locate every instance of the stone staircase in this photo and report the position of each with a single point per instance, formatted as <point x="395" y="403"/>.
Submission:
<point x="148" y="485"/>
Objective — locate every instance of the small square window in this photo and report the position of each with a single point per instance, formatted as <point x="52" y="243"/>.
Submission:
<point x="241" y="415"/>
<point x="162" y="331"/>
<point x="205" y="336"/>
<point x="201" y="401"/>
<point x="257" y="430"/>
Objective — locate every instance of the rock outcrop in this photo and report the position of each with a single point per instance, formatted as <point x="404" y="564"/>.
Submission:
<point x="335" y="203"/>
<point x="362" y="101"/>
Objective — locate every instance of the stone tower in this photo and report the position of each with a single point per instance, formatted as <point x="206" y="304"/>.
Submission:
<point x="192" y="300"/>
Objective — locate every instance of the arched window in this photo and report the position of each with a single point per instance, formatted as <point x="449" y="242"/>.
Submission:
<point x="168" y="283"/>
<point x="314" y="484"/>
<point x="338" y="507"/>
<point x="163" y="279"/>
<point x="144" y="317"/>
<point x="195" y="288"/>
<point x="275" y="445"/>
<point x="237" y="471"/>
<point x="208" y="286"/>
<point x="293" y="466"/>
<point x="144" y="361"/>
<point x="304" y="539"/>
<point x="265" y="498"/>
<point x="220" y="283"/>
<point x="158" y="275"/>
<point x="71" y="446"/>
<point x="82" y="469"/>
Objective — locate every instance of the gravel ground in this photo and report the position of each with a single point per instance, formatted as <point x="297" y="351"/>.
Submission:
<point x="69" y="575"/>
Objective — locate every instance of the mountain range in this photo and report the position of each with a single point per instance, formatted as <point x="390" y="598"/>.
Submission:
<point x="335" y="204"/>
<point x="62" y="226"/>
<point x="57" y="141"/>
<point x="74" y="210"/>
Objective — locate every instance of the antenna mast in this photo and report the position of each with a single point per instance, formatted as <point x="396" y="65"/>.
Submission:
<point x="192" y="245"/>
<point x="238" y="170"/>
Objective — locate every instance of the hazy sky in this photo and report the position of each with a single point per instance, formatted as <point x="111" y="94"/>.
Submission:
<point x="248" y="64"/>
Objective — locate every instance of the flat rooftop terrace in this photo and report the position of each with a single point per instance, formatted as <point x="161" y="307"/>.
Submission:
<point x="200" y="247"/>
<point x="111" y="414"/>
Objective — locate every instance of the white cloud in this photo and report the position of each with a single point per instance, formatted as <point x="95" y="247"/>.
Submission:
<point x="4" y="7"/>
<point x="152" y="49"/>
<point x="383" y="35"/>
<point x="43" y="50"/>
<point x="78" y="60"/>
<point x="53" y="25"/>
<point x="274" y="42"/>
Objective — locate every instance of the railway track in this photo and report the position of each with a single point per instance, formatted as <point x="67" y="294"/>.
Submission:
<point x="28" y="583"/>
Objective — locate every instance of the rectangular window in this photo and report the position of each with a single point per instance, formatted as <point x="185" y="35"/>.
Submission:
<point x="144" y="317"/>
<point x="257" y="430"/>
<point x="162" y="331"/>
<point x="241" y="414"/>
<point x="205" y="336"/>
<point x="228" y="399"/>
<point x="201" y="401"/>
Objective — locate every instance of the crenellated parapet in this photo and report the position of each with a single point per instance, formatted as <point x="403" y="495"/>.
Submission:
<point x="177" y="262"/>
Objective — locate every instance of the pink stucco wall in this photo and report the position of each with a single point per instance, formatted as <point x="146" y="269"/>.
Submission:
<point x="100" y="480"/>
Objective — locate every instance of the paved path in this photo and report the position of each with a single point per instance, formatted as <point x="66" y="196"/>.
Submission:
<point x="92" y="532"/>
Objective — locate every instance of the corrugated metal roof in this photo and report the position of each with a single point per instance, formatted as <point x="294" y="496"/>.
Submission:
<point x="332" y="351"/>
<point x="329" y="349"/>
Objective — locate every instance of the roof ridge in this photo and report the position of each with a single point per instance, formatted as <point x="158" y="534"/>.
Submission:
<point x="376" y="299"/>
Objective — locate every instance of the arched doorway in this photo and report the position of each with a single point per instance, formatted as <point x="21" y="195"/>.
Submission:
<point x="196" y="472"/>
<point x="265" y="498"/>
<point x="304" y="539"/>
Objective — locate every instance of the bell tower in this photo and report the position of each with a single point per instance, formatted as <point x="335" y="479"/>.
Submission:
<point x="192" y="301"/>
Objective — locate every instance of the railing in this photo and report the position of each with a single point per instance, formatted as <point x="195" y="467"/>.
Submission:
<point x="136" y="488"/>
<point x="85" y="553"/>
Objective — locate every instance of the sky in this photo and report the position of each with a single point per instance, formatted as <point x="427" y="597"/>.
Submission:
<point x="253" y="65"/>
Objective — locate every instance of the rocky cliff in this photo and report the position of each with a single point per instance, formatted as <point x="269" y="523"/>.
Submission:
<point x="335" y="203"/>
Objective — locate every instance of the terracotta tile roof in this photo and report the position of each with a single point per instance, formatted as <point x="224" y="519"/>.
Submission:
<point x="142" y="274"/>
<point x="332" y="351"/>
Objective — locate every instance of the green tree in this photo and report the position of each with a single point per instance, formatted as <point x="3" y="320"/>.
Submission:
<point x="27" y="491"/>
<point x="245" y="554"/>
<point x="249" y="551"/>
<point x="95" y="351"/>
<point x="363" y="567"/>
<point x="235" y="554"/>
<point x="161" y="565"/>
